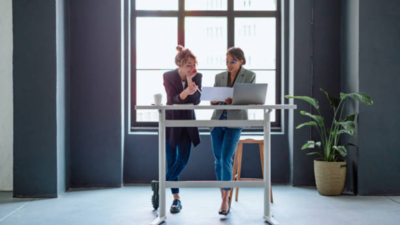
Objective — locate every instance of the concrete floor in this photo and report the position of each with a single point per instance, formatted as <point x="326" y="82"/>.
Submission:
<point x="131" y="205"/>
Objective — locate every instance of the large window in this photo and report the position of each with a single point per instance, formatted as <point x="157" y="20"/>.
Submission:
<point x="208" y="28"/>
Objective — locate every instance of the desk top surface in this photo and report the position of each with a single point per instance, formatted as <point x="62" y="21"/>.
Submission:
<point x="190" y="107"/>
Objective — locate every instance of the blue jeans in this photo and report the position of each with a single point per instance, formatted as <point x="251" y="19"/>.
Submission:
<point x="224" y="143"/>
<point x="177" y="159"/>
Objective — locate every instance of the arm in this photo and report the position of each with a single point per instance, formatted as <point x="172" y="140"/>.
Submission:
<point x="215" y="85"/>
<point x="195" y="98"/>
<point x="253" y="78"/>
<point x="173" y="96"/>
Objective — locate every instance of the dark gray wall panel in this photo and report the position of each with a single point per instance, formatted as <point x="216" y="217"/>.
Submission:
<point x="349" y="83"/>
<point x="316" y="65"/>
<point x="303" y="173"/>
<point x="96" y="148"/>
<point x="35" y="124"/>
<point x="379" y="155"/>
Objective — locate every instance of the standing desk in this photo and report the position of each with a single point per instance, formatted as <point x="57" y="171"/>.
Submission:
<point x="265" y="123"/>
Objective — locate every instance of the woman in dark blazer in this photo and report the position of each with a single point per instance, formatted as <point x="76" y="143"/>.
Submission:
<point x="182" y="86"/>
<point x="224" y="139"/>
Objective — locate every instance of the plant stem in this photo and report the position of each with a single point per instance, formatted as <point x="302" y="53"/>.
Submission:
<point x="337" y="138"/>
<point x="323" y="137"/>
<point x="332" y="128"/>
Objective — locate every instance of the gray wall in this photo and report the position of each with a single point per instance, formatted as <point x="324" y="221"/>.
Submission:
<point x="316" y="64"/>
<point x="39" y="99"/>
<point x="6" y="96"/>
<point x="96" y="130"/>
<point x="371" y="30"/>
<point x="350" y="83"/>
<point x="302" y="169"/>
<point x="379" y="69"/>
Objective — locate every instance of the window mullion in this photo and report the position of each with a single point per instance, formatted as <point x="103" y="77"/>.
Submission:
<point x="181" y="23"/>
<point x="231" y="25"/>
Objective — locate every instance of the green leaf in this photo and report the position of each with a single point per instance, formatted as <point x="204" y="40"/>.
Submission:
<point x="348" y="127"/>
<point x="312" y="101"/>
<point x="318" y="119"/>
<point x="341" y="149"/>
<point x="351" y="117"/>
<point x="334" y="101"/>
<point x="359" y="96"/>
<point x="314" y="153"/>
<point x="340" y="132"/>
<point x="306" y="145"/>
<point x="311" y="123"/>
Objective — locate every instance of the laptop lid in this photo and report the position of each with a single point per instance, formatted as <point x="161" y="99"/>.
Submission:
<point x="246" y="94"/>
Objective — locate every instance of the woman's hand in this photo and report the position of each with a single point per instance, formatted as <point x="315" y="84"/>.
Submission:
<point x="228" y="101"/>
<point x="190" y="76"/>
<point x="214" y="102"/>
<point x="191" y="89"/>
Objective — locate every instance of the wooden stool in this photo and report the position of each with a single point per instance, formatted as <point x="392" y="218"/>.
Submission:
<point x="237" y="163"/>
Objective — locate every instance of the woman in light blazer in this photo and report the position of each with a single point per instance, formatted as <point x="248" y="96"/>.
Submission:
<point x="224" y="139"/>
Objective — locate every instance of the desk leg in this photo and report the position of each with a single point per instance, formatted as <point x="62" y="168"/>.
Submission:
<point x="267" y="169"/>
<point x="161" y="168"/>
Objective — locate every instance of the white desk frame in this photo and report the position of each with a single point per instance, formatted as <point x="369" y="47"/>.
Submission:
<point x="265" y="123"/>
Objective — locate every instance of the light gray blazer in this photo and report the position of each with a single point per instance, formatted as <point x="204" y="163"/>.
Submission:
<point x="221" y="80"/>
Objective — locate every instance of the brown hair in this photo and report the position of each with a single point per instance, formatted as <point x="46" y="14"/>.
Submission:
<point x="184" y="54"/>
<point x="237" y="53"/>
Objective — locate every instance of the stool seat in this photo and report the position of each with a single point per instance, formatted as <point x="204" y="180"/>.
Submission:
<point x="251" y="138"/>
<point x="237" y="163"/>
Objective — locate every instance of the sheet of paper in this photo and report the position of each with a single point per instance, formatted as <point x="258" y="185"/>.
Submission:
<point x="216" y="93"/>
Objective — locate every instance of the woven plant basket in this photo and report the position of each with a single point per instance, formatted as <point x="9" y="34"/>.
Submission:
<point x="330" y="177"/>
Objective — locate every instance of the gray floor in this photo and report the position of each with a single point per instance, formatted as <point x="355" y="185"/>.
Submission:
<point x="131" y="205"/>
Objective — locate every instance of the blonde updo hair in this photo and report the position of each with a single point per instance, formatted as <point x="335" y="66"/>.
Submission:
<point x="184" y="54"/>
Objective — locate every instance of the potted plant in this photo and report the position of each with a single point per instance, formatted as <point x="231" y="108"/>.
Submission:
<point x="330" y="168"/>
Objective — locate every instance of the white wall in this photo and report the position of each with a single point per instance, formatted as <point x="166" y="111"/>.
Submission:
<point x="6" y="96"/>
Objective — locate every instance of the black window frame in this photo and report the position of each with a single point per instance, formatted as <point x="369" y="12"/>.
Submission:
<point x="230" y="14"/>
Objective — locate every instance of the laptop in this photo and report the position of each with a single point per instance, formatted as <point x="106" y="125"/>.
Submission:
<point x="249" y="94"/>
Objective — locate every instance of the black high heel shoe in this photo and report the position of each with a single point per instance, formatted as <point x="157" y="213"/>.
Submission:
<point x="225" y="213"/>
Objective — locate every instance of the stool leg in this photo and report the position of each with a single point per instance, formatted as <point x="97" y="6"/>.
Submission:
<point x="239" y="168"/>
<point x="262" y="164"/>
<point x="234" y="173"/>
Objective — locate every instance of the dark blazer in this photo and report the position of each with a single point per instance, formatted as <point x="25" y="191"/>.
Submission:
<point x="173" y="87"/>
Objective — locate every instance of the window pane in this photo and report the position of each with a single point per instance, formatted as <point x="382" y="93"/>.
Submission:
<point x="256" y="36"/>
<point x="149" y="83"/>
<point x="255" y="5"/>
<point x="156" y="40"/>
<point x="157" y="5"/>
<point x="207" y="38"/>
<point x="205" y="5"/>
<point x="263" y="77"/>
